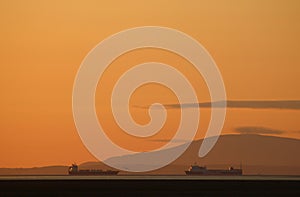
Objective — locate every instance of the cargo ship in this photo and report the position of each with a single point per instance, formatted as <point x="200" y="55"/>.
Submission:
<point x="74" y="170"/>
<point x="203" y="171"/>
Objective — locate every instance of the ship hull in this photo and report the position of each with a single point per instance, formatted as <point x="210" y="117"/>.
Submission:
<point x="103" y="173"/>
<point x="215" y="173"/>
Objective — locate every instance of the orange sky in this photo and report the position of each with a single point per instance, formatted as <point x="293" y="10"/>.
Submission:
<point x="256" y="45"/>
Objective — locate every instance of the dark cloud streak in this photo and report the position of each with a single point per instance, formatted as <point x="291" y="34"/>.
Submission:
<point x="266" y="104"/>
<point x="258" y="130"/>
<point x="168" y="140"/>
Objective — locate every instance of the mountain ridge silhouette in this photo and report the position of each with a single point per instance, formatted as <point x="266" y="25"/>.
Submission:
<point x="258" y="154"/>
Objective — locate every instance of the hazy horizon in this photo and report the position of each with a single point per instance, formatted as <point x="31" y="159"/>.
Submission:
<point x="232" y="150"/>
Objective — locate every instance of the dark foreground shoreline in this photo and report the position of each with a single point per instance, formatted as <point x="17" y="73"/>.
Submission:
<point x="153" y="187"/>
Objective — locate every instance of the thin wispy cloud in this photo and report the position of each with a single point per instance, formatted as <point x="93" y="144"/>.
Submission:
<point x="266" y="104"/>
<point x="168" y="140"/>
<point x="258" y="130"/>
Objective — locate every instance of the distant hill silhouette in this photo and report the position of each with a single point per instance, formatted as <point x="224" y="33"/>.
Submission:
<point x="258" y="155"/>
<point x="47" y="170"/>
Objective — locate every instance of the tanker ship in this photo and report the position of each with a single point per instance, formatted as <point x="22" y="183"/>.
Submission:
<point x="203" y="171"/>
<point x="74" y="170"/>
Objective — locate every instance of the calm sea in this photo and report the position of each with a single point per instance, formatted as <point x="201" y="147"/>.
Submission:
<point x="149" y="177"/>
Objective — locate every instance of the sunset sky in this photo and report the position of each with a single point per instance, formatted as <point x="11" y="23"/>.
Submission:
<point x="255" y="44"/>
